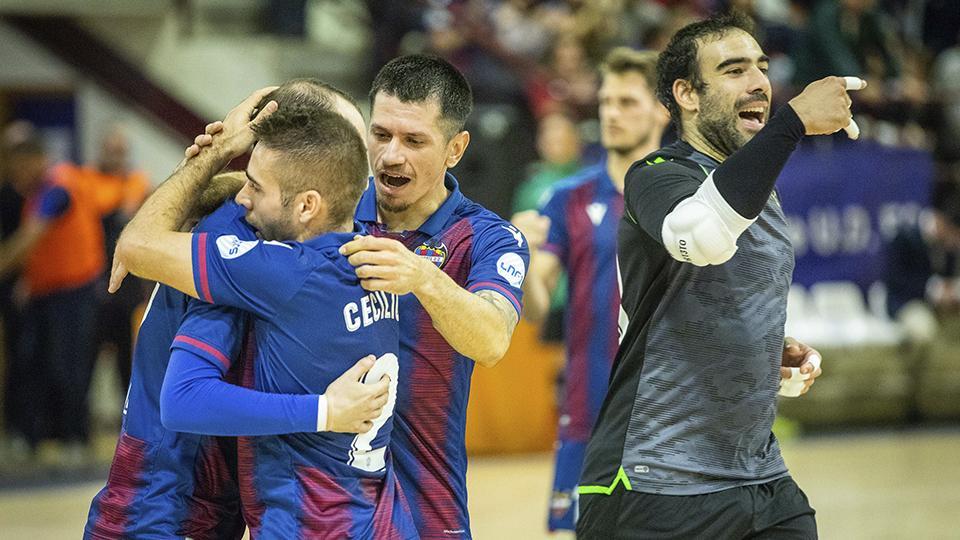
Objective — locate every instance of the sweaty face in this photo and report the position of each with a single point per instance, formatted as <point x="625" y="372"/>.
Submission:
<point x="408" y="152"/>
<point x="629" y="112"/>
<point x="262" y="197"/>
<point x="736" y="102"/>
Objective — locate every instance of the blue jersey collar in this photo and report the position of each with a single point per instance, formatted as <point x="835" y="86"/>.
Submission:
<point x="335" y="239"/>
<point x="434" y="225"/>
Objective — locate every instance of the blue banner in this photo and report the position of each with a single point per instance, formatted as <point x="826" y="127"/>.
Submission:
<point x="845" y="201"/>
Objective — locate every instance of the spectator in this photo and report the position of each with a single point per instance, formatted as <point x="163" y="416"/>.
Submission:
<point x="568" y="82"/>
<point x="848" y="37"/>
<point x="114" y="181"/>
<point x="921" y="268"/>
<point x="558" y="144"/>
<point x="59" y="244"/>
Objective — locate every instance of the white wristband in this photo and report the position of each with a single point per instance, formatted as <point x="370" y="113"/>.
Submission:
<point x="321" y="413"/>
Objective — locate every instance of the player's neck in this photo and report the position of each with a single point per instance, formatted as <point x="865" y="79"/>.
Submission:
<point x="618" y="163"/>
<point x="699" y="143"/>
<point x="313" y="232"/>
<point x="417" y="213"/>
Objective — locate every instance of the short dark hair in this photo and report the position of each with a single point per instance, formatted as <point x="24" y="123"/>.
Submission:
<point x="622" y="60"/>
<point x="323" y="151"/>
<point x="420" y="77"/>
<point x="680" y="59"/>
<point x="306" y="92"/>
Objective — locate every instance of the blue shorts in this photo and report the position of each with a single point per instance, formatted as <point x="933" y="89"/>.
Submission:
<point x="563" y="499"/>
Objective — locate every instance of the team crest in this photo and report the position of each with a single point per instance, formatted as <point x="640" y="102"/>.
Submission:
<point x="434" y="252"/>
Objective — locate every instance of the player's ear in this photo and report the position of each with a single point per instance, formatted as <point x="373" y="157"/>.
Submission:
<point x="309" y="205"/>
<point x="456" y="147"/>
<point x="686" y="95"/>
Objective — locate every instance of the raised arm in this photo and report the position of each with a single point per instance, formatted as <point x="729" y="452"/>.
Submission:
<point x="703" y="228"/>
<point x="151" y="246"/>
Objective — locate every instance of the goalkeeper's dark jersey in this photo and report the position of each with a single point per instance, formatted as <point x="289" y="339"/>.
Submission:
<point x="693" y="390"/>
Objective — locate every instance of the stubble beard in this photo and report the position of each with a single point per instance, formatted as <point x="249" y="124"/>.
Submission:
<point x="394" y="208"/>
<point x="719" y="128"/>
<point x="276" y="231"/>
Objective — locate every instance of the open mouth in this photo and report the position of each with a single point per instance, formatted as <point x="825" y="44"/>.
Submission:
<point x="753" y="117"/>
<point x="394" y="181"/>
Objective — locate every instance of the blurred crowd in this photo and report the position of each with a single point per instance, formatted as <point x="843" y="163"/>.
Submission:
<point x="59" y="223"/>
<point x="533" y="68"/>
<point x="542" y="55"/>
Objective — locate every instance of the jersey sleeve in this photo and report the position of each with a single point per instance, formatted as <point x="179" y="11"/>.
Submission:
<point x="212" y="332"/>
<point x="195" y="399"/>
<point x="652" y="190"/>
<point x="558" y="239"/>
<point x="252" y="275"/>
<point x="499" y="261"/>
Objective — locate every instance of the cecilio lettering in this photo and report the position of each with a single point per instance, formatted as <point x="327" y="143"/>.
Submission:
<point x="375" y="306"/>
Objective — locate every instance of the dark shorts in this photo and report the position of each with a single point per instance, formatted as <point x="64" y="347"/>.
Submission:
<point x="775" y="510"/>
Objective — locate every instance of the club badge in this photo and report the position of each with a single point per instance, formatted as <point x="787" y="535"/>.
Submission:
<point x="435" y="252"/>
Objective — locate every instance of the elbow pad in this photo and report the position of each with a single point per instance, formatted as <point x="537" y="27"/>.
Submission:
<point x="703" y="228"/>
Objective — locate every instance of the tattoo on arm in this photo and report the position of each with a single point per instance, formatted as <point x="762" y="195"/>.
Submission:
<point x="504" y="307"/>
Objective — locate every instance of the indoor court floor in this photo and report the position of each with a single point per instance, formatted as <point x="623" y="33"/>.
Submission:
<point x="886" y="485"/>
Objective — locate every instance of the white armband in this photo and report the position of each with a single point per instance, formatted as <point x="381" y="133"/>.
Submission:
<point x="703" y="228"/>
<point x="322" y="413"/>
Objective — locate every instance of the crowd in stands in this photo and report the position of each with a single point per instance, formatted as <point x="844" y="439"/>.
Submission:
<point x="542" y="54"/>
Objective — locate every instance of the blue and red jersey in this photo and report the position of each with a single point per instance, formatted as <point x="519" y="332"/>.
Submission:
<point x="163" y="483"/>
<point x="479" y="251"/>
<point x="584" y="213"/>
<point x="311" y="322"/>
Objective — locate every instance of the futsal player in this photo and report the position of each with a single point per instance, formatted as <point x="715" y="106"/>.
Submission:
<point x="167" y="484"/>
<point x="683" y="446"/>
<point x="305" y="174"/>
<point x="463" y="264"/>
<point x="577" y="232"/>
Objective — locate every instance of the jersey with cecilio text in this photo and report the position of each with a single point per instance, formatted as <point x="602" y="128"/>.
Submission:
<point x="164" y="484"/>
<point x="311" y="322"/>
<point x="479" y="251"/>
